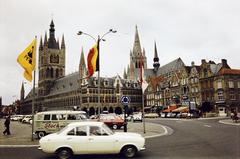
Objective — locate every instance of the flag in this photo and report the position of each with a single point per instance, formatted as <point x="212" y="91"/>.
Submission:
<point x="93" y="60"/>
<point x="27" y="59"/>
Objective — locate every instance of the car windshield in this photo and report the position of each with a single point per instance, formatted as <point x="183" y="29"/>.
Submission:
<point x="107" y="129"/>
<point x="62" y="130"/>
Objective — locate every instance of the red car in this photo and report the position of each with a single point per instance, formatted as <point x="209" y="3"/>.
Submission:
<point x="112" y="120"/>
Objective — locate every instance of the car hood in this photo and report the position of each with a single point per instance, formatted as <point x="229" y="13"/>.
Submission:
<point x="127" y="134"/>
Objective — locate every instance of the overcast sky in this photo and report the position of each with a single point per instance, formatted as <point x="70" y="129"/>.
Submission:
<point x="190" y="29"/>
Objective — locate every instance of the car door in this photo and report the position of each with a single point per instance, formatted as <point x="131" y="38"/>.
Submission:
<point x="100" y="142"/>
<point x="78" y="140"/>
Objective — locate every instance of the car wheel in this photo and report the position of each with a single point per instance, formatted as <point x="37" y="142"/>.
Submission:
<point x="129" y="151"/>
<point x="64" y="153"/>
<point x="114" y="126"/>
<point x="41" y="134"/>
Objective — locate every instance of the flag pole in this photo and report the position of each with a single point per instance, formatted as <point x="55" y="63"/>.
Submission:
<point x="98" y="48"/>
<point x="143" y="108"/>
<point x="33" y="102"/>
<point x="33" y="96"/>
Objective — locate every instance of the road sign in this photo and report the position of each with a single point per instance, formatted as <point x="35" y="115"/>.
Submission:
<point x="125" y="100"/>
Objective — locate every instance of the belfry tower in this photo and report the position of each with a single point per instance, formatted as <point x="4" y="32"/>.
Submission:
<point x="51" y="61"/>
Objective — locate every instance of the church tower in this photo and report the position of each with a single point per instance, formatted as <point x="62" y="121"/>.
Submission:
<point x="156" y="63"/>
<point x="51" y="61"/>
<point x="134" y="69"/>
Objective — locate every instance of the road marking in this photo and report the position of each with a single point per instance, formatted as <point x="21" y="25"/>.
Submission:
<point x="17" y="146"/>
<point x="209" y="126"/>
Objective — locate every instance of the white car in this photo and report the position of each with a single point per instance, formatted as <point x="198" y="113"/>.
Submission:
<point x="26" y="119"/>
<point x="137" y="117"/>
<point x="91" y="138"/>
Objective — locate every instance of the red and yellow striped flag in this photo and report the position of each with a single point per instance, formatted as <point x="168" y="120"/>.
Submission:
<point x="93" y="60"/>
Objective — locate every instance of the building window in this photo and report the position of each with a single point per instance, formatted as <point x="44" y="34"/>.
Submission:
<point x="193" y="90"/>
<point x="220" y="96"/>
<point x="196" y="80"/>
<point x="219" y="84"/>
<point x="232" y="96"/>
<point x="196" y="89"/>
<point x="231" y="84"/>
<point x="238" y="84"/>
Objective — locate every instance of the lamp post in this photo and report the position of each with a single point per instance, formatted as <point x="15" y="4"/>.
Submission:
<point x="98" y="40"/>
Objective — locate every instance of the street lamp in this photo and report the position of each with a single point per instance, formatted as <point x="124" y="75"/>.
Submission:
<point x="100" y="38"/>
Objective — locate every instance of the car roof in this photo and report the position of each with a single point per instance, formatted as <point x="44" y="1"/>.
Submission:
<point x="61" y="112"/>
<point x="86" y="123"/>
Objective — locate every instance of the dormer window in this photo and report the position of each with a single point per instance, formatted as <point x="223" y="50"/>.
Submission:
<point x="106" y="82"/>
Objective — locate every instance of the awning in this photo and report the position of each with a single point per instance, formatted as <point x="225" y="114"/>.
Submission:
<point x="181" y="109"/>
<point x="169" y="109"/>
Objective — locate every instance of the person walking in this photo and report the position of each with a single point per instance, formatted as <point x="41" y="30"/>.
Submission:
<point x="7" y="124"/>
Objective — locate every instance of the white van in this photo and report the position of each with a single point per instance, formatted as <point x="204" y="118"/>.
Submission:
<point x="52" y="121"/>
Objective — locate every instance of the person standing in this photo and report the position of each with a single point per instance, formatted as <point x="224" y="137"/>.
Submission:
<point x="7" y="124"/>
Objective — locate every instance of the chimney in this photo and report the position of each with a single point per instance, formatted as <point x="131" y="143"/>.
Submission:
<point x="224" y="63"/>
<point x="203" y="61"/>
<point x="192" y="63"/>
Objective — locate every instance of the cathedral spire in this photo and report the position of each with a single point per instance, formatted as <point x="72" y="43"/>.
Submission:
<point x="41" y="44"/>
<point x="63" y="42"/>
<point x="124" y="74"/>
<point x="45" y="39"/>
<point x="136" y="45"/>
<point x="156" y="63"/>
<point x="82" y="66"/>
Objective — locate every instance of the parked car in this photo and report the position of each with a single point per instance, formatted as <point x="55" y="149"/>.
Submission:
<point x="16" y="117"/>
<point x="112" y="120"/>
<point x="91" y="138"/>
<point x="26" y="119"/>
<point x="137" y="116"/>
<point x="151" y="115"/>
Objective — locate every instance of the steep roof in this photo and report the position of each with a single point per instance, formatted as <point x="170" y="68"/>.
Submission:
<point x="226" y="71"/>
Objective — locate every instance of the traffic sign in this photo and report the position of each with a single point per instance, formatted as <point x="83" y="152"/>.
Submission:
<point x="125" y="100"/>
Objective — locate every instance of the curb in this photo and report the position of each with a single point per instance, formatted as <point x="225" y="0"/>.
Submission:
<point x="227" y="123"/>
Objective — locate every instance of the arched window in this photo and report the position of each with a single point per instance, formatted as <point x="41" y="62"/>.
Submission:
<point x="57" y="73"/>
<point x="51" y="72"/>
<point x="47" y="73"/>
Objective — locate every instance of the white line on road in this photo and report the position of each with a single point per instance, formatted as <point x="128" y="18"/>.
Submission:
<point x="209" y="126"/>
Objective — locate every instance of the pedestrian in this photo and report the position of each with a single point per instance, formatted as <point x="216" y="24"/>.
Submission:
<point x="7" y="124"/>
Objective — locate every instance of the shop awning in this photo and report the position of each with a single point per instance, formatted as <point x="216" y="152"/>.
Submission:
<point x="181" y="109"/>
<point x="169" y="109"/>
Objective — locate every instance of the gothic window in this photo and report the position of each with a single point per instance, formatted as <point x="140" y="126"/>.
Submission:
<point x="136" y="65"/>
<point x="118" y="87"/>
<point x="54" y="59"/>
<point x="48" y="72"/>
<point x="57" y="73"/>
<point x="51" y="72"/>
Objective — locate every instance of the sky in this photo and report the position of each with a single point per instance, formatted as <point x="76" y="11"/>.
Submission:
<point x="189" y="29"/>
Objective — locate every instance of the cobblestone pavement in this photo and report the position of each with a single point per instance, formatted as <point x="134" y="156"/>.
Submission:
<point x="21" y="133"/>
